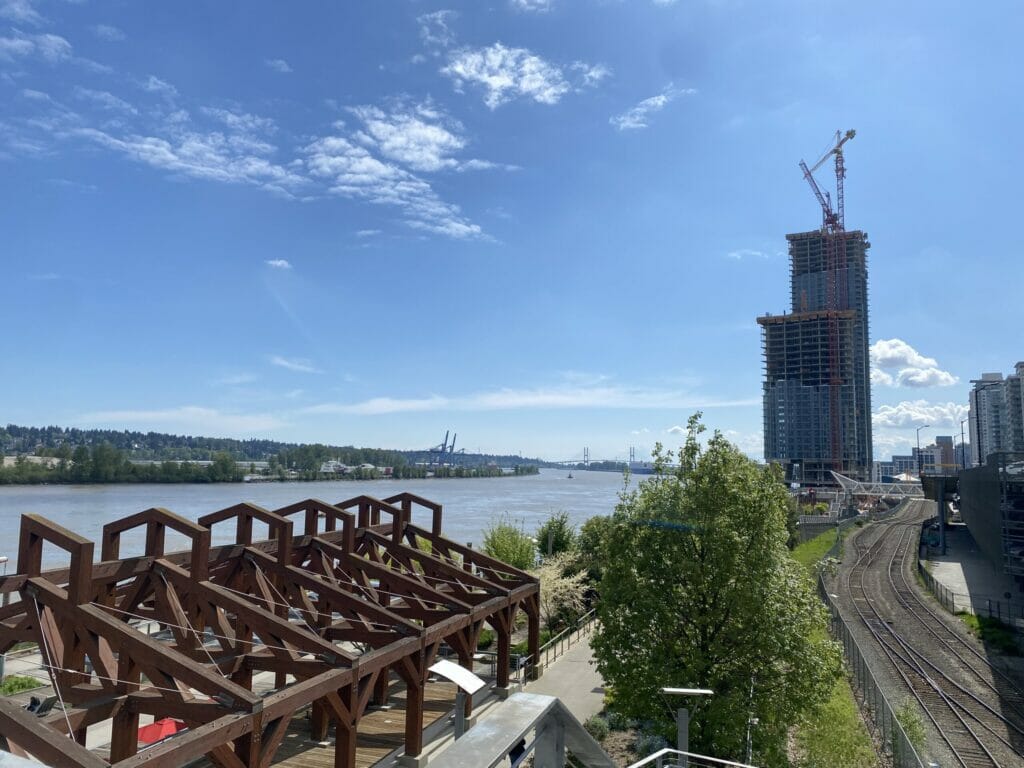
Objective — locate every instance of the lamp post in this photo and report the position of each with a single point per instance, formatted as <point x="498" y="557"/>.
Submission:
<point x="963" y="445"/>
<point x="923" y="426"/>
<point x="6" y="597"/>
<point x="683" y="720"/>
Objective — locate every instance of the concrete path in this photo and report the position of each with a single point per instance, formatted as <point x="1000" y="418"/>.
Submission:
<point x="574" y="679"/>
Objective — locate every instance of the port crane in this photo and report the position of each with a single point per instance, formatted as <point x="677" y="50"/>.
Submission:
<point x="833" y="228"/>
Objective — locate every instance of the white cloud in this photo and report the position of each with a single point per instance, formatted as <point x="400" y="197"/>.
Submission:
<point x="560" y="397"/>
<point x="154" y="84"/>
<point x="746" y="253"/>
<point x="232" y="158"/>
<point x="279" y="65"/>
<point x="242" y="122"/>
<point x="676" y="430"/>
<point x="21" y="12"/>
<point x="419" y="137"/>
<point x="278" y="263"/>
<point x="107" y="32"/>
<point x="367" y="232"/>
<point x="105" y="99"/>
<point x="536" y="6"/>
<point x="909" y="368"/>
<point x="189" y="418"/>
<point x="912" y="413"/>
<point x="352" y="171"/>
<point x="592" y="74"/>
<point x="297" y="364"/>
<point x="506" y="73"/>
<point x="235" y="380"/>
<point x="434" y="29"/>
<point x="639" y="116"/>
<point x="49" y="48"/>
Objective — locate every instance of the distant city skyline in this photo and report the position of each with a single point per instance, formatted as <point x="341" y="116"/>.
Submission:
<point x="543" y="226"/>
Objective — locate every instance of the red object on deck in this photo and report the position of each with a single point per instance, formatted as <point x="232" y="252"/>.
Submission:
<point x="160" y="729"/>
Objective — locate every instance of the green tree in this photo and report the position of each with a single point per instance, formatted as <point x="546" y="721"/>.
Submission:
<point x="556" y="534"/>
<point x="699" y="590"/>
<point x="590" y="543"/>
<point x="508" y="542"/>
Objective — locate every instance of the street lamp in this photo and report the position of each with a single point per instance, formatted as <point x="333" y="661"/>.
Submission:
<point x="924" y="426"/>
<point x="963" y="445"/>
<point x="683" y="719"/>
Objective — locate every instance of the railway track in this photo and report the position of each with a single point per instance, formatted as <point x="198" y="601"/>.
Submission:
<point x="977" y="709"/>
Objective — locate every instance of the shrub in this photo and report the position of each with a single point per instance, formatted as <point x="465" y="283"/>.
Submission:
<point x="648" y="743"/>
<point x="597" y="727"/>
<point x="506" y="541"/>
<point x="908" y="717"/>
<point x="618" y="721"/>
<point x="15" y="683"/>
<point x="486" y="639"/>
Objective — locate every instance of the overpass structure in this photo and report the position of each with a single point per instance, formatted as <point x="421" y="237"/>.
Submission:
<point x="863" y="488"/>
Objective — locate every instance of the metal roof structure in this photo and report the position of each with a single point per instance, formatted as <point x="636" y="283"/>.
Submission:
<point x="863" y="488"/>
<point x="329" y="611"/>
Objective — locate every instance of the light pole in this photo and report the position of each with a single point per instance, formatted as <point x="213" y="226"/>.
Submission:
<point x="683" y="720"/>
<point x="6" y="597"/>
<point x="923" y="426"/>
<point x="963" y="445"/>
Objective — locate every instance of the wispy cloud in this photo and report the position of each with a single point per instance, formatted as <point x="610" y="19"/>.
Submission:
<point x="507" y="73"/>
<point x="541" y="398"/>
<point x="105" y="99"/>
<point x="235" y="379"/>
<point x="278" y="263"/>
<point x="591" y="74"/>
<point x="21" y="12"/>
<point x="435" y="31"/>
<point x="535" y="6"/>
<point x="746" y="253"/>
<point x="895" y="363"/>
<point x="279" y="65"/>
<point x="367" y="232"/>
<point x="380" y="163"/>
<point x="191" y="418"/>
<point x="297" y="364"/>
<point x="50" y="48"/>
<point x="638" y="117"/>
<point x="108" y="32"/>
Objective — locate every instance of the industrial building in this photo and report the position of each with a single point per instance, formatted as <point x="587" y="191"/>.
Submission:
<point x="992" y="505"/>
<point x="817" y="385"/>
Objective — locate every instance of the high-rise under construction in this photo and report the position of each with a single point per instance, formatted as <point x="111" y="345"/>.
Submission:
<point x="817" y="386"/>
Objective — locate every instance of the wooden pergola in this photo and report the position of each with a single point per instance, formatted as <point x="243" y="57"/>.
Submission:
<point x="361" y="592"/>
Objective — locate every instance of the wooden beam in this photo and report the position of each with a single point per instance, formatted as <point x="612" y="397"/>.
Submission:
<point x="25" y="729"/>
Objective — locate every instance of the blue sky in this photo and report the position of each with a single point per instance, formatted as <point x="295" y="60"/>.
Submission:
<point x="542" y="225"/>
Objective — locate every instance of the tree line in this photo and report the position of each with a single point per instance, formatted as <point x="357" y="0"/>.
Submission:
<point x="104" y="463"/>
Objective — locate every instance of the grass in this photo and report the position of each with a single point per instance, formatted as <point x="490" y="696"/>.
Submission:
<point x="834" y="735"/>
<point x="993" y="632"/>
<point x="17" y="683"/>
<point x="809" y="553"/>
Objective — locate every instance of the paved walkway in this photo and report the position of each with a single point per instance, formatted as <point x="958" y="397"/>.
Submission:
<point x="574" y="679"/>
<point x="966" y="572"/>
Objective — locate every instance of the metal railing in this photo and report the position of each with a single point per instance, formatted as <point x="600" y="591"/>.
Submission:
<point x="670" y="758"/>
<point x="565" y="639"/>
<point x="1004" y="610"/>
<point x="891" y="737"/>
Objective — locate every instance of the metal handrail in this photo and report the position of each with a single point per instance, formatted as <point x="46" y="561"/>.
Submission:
<point x="658" y="759"/>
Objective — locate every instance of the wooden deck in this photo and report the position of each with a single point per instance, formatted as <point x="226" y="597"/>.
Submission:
<point x="380" y="731"/>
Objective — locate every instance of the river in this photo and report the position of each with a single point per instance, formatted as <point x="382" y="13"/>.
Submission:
<point x="470" y="504"/>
